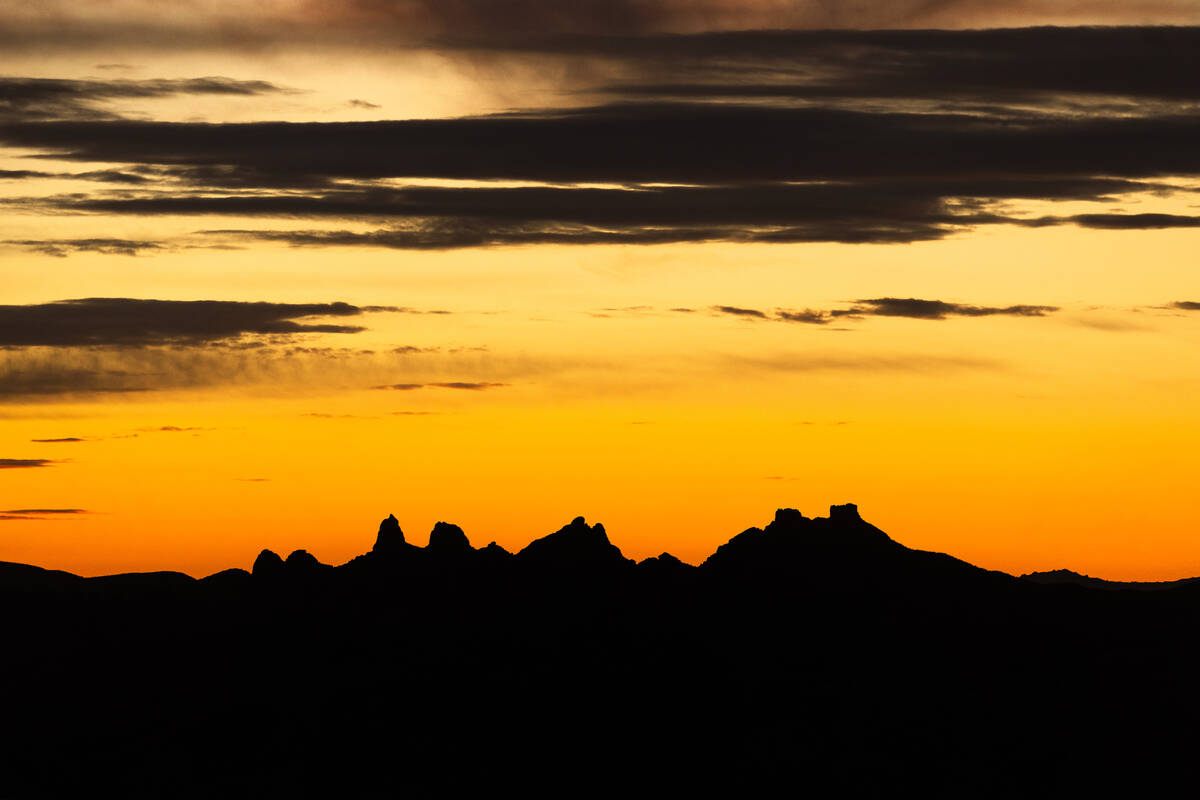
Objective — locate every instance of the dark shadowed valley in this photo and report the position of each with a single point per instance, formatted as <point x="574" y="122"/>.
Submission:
<point x="812" y="657"/>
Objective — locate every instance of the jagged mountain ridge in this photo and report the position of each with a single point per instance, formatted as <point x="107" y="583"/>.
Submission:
<point x="841" y="551"/>
<point x="815" y="653"/>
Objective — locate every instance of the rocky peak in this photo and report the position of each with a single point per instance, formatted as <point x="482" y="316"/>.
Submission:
<point x="302" y="560"/>
<point x="844" y="513"/>
<point x="268" y="564"/>
<point x="788" y="518"/>
<point x="447" y="538"/>
<point x="390" y="538"/>
<point x="576" y="544"/>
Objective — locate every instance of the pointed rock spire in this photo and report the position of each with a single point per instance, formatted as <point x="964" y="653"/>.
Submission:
<point x="390" y="538"/>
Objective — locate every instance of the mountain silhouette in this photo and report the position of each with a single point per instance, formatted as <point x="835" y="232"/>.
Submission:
<point x="448" y="539"/>
<point x="814" y="656"/>
<point x="1065" y="576"/>
<point x="577" y="546"/>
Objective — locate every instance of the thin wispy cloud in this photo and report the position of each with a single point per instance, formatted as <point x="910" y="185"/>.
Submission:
<point x="908" y="307"/>
<point x="26" y="463"/>
<point x="470" y="386"/>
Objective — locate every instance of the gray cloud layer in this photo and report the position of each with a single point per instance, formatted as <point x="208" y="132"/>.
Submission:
<point x="767" y="136"/>
<point x="125" y="322"/>
<point x="52" y="98"/>
<point x="127" y="25"/>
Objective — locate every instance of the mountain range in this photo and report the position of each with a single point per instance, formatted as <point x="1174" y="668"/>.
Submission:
<point x="809" y="656"/>
<point x="841" y="551"/>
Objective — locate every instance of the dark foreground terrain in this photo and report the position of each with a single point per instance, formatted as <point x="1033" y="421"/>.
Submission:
<point x="813" y="657"/>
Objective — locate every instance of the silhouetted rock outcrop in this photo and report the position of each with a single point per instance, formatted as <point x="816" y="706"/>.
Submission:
<point x="24" y="576"/>
<point x="1066" y="576"/>
<point x="494" y="555"/>
<point x="448" y="539"/>
<point x="267" y="565"/>
<point x="390" y="539"/>
<point x="577" y="545"/>
<point x="230" y="579"/>
<point x="664" y="563"/>
<point x="841" y="552"/>
<point x="302" y="562"/>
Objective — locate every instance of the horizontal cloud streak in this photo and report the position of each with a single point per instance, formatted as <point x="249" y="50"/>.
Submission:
<point x="902" y="363"/>
<point x="471" y="386"/>
<point x="46" y="374"/>
<point x="937" y="309"/>
<point x="122" y="321"/>
<point x="52" y="98"/>
<point x="654" y="142"/>
<point x="387" y="24"/>
<point x="910" y="307"/>
<point x="62" y="247"/>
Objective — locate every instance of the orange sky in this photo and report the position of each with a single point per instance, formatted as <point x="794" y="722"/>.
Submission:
<point x="661" y="389"/>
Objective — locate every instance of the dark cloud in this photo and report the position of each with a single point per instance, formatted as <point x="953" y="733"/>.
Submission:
<point x="63" y="247"/>
<point x="390" y="24"/>
<point x="472" y="386"/>
<point x="736" y="172"/>
<point x="739" y="312"/>
<point x="763" y="136"/>
<point x="101" y="176"/>
<point x="807" y="316"/>
<point x="61" y="440"/>
<point x="363" y="104"/>
<point x="688" y="143"/>
<point x="121" y="321"/>
<point x="52" y="98"/>
<point x="26" y="463"/>
<point x="1186" y="305"/>
<point x="1004" y="67"/>
<point x="889" y="307"/>
<point x="937" y="309"/>
<point x="1134" y="221"/>
<point x="40" y="514"/>
<point x="455" y="233"/>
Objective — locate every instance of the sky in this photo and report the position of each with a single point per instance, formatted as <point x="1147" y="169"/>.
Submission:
<point x="272" y="274"/>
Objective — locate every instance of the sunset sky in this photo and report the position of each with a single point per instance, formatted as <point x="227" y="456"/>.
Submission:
<point x="271" y="275"/>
